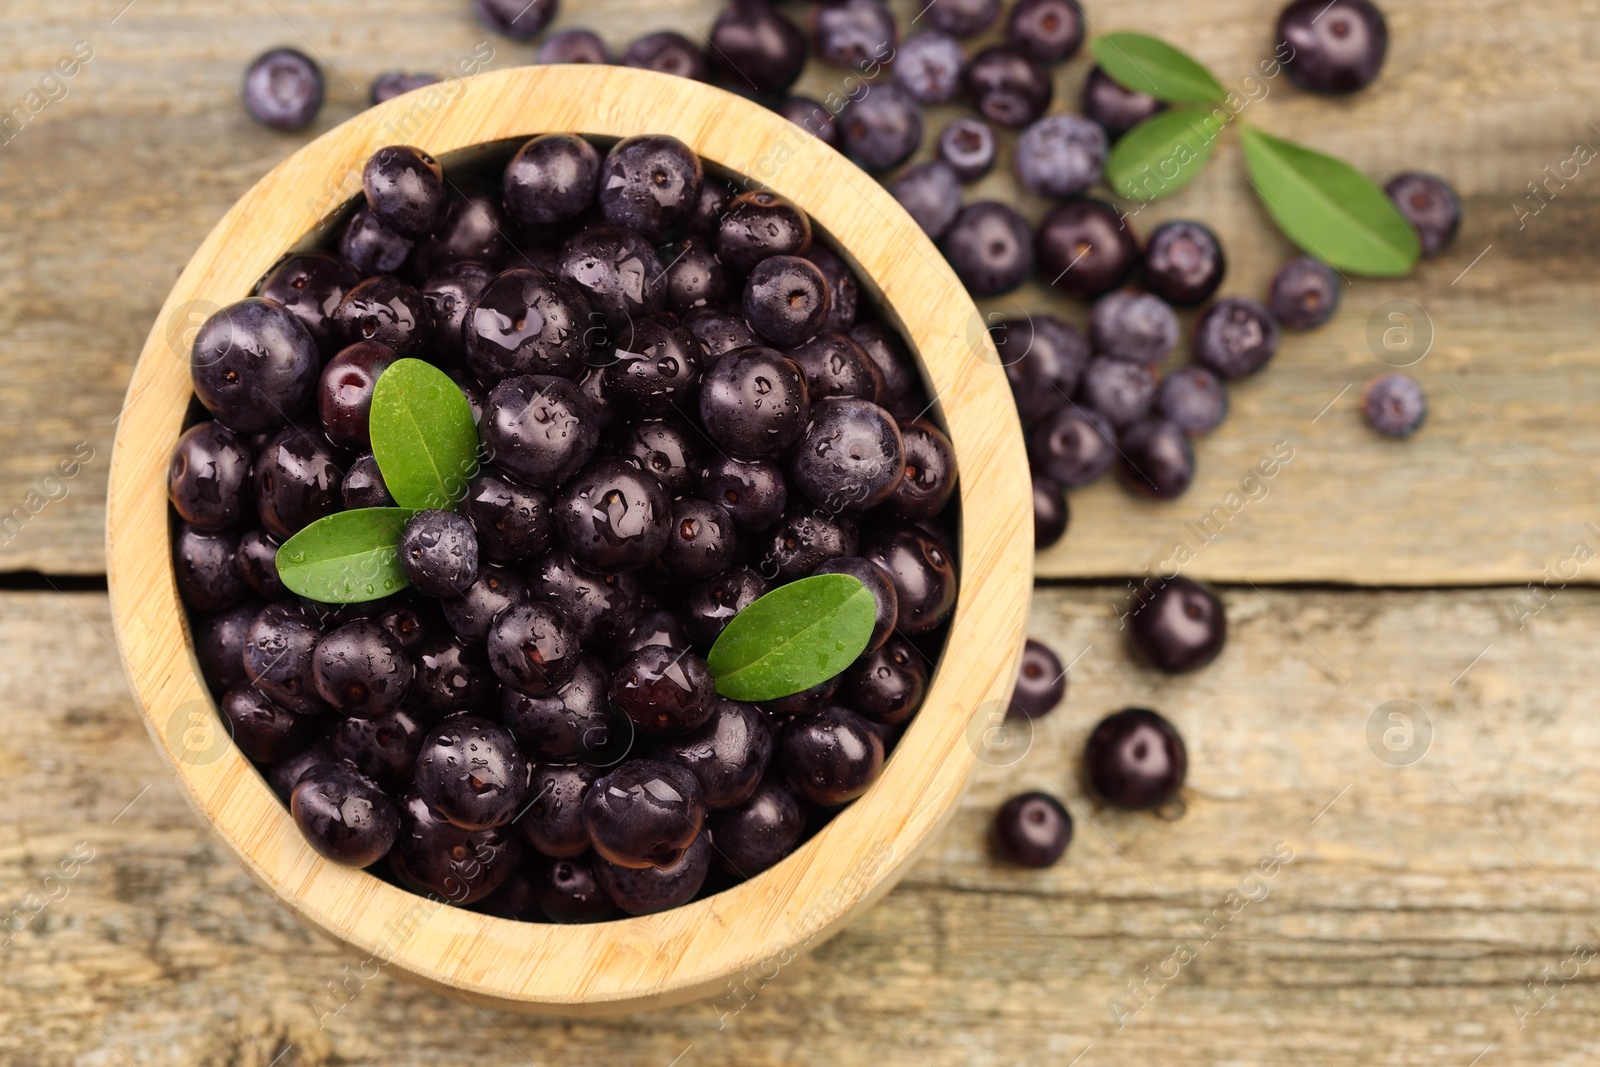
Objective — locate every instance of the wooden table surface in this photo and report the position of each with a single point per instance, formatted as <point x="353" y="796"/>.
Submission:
<point x="1431" y="903"/>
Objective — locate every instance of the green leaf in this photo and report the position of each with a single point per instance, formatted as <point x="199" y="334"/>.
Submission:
<point x="1146" y="64"/>
<point x="1162" y="154"/>
<point x="423" y="436"/>
<point x="348" y="557"/>
<point x="1329" y="208"/>
<point x="797" y="636"/>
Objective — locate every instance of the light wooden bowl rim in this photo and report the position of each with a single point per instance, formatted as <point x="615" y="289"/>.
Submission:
<point x="754" y="927"/>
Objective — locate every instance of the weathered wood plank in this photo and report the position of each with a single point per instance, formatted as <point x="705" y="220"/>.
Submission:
<point x="110" y="188"/>
<point x="1419" y="901"/>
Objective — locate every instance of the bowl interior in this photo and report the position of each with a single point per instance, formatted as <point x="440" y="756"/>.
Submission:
<point x="623" y="964"/>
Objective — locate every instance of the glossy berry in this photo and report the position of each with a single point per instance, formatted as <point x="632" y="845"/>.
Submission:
<point x="383" y="748"/>
<point x="786" y="300"/>
<point x="645" y="813"/>
<point x="450" y="292"/>
<point x="1235" y="337"/>
<point x="371" y="247"/>
<point x="533" y="649"/>
<point x="254" y="365"/>
<point x="756" y="834"/>
<point x="718" y="332"/>
<point x="284" y="773"/>
<point x="695" y="277"/>
<point x="263" y="730"/>
<point x="527" y="322"/>
<point x="668" y="53"/>
<point x="752" y="492"/>
<point x="1135" y="759"/>
<point x="361" y="670"/>
<point x="755" y="49"/>
<point x="922" y="570"/>
<point x="1060" y="155"/>
<point x="753" y="402"/>
<point x="805" y="539"/>
<point x="344" y="815"/>
<point x="715" y="196"/>
<point x="1133" y="326"/>
<point x="829" y="757"/>
<point x="433" y="856"/>
<point x="968" y="146"/>
<point x="451" y="676"/>
<point x="1393" y="405"/>
<point x="1041" y="682"/>
<point x="279" y="657"/>
<point x="619" y="273"/>
<point x="539" y="429"/>
<point x="727" y="753"/>
<point x="344" y="392"/>
<point x="702" y="541"/>
<point x="206" y="567"/>
<point x="393" y="83"/>
<point x="551" y="179"/>
<point x="574" y="46"/>
<point x="1007" y="87"/>
<point x="1304" y="294"/>
<point x="655" y="369"/>
<point x="650" y="185"/>
<point x="521" y="20"/>
<point x="931" y="195"/>
<point x="386" y="310"/>
<point x="1117" y="390"/>
<point x="472" y="613"/>
<point x="851" y="458"/>
<point x="601" y="606"/>
<point x="644" y="891"/>
<point x="664" y="691"/>
<point x="439" y="553"/>
<point x="856" y="34"/>
<point x="513" y="523"/>
<point x="1192" y="399"/>
<point x="405" y="190"/>
<point x="928" y="66"/>
<point x="843" y="291"/>
<point x="759" y="224"/>
<point x="1157" y="458"/>
<point x="1051" y="513"/>
<point x="990" y="247"/>
<point x="834" y="365"/>
<point x="887" y="685"/>
<point x="1183" y="263"/>
<point x="613" y="515"/>
<point x="963" y="18"/>
<point x="1179" y="625"/>
<point x="283" y="89"/>
<point x="1046" y="31"/>
<point x="569" y="892"/>
<point x="1072" y="446"/>
<point x="1335" y="47"/>
<point x="1032" y="829"/>
<point x="880" y="585"/>
<point x="708" y="606"/>
<point x="1085" y="248"/>
<point x="885" y="348"/>
<point x="311" y="285"/>
<point x="469" y="771"/>
<point x="571" y="723"/>
<point x="1044" y="360"/>
<point x="810" y="115"/>
<point x="930" y="472"/>
<point x="657" y="627"/>
<point x="552" y="819"/>
<point x="1430" y="205"/>
<point x="209" y="475"/>
<point x="409" y="620"/>
<point x="363" y="485"/>
<point x="296" y="481"/>
<point x="881" y="129"/>
<point x="1116" y="109"/>
<point x="668" y="448"/>
<point x="219" y="643"/>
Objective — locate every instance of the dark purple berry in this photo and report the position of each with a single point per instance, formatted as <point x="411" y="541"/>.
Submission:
<point x="363" y="485"/>
<point x="1032" y="829"/>
<point x="572" y="723"/>
<point x="472" y="613"/>
<point x="1117" y="390"/>
<point x="963" y="18"/>
<point x="384" y="749"/>
<point x="670" y="449"/>
<point x="829" y="757"/>
<point x="520" y="20"/>
<point x="219" y="643"/>
<point x="991" y="248"/>
<point x="618" y="272"/>
<point x="834" y="365"/>
<point x="1044" y="360"/>
<point x="539" y="429"/>
<point x="928" y="66"/>
<point x="755" y="49"/>
<point x="1051" y="513"/>
<point x="533" y="650"/>
<point x="254" y="365"/>
<point x="804" y="540"/>
<point x="469" y="771"/>
<point x="1132" y="326"/>
<point x="393" y="83"/>
<point x="386" y="310"/>
<point x="645" y="813"/>
<point x="668" y="53"/>
<point x="647" y="890"/>
<point x="1333" y="46"/>
<point x="569" y="892"/>
<point x="1178" y="625"/>
<point x="1085" y="248"/>
<point x="695" y="277"/>
<point x="263" y="731"/>
<point x="1116" y="109"/>
<point x="1157" y="458"/>
<point x="931" y="195"/>
<point x="613" y="515"/>
<point x="527" y="322"/>
<point x="1430" y="205"/>
<point x="439" y="553"/>
<point x="552" y="821"/>
<point x="408" y="620"/>
<point x="1192" y="399"/>
<point x="280" y="657"/>
<point x="759" y="832"/>
<point x="1041" y="682"/>
<point x="296" y="481"/>
<point x="311" y="285"/>
<point x="753" y="402"/>
<point x="450" y="291"/>
<point x="283" y="89"/>
<point x="968" y="146"/>
<point x="664" y="691"/>
<point x="1235" y="337"/>
<point x="551" y="179"/>
<point x="1393" y="405"/>
<point x="843" y="292"/>
<point x="881" y="129"/>
<point x="451" y="676"/>
<point x="1135" y="759"/>
<point x="702" y="541"/>
<point x="719" y="332"/>
<point x="856" y="34"/>
<point x="344" y="815"/>
<point x="371" y="248"/>
<point x="922" y="570"/>
<point x="208" y="476"/>
<point x="753" y="492"/>
<point x="361" y="670"/>
<point x="1305" y="293"/>
<point x="601" y="606"/>
<point x="1072" y="446"/>
<point x="886" y="686"/>
<point x="1007" y="87"/>
<point x="851" y="457"/>
<point x="660" y="627"/>
<point x="1046" y="31"/>
<point x="573" y="46"/>
<point x="284" y="773"/>
<point x="708" y="606"/>
<point x="1183" y="263"/>
<point x="810" y="115"/>
<point x="436" y="858"/>
<point x="344" y="392"/>
<point x="759" y="224"/>
<point x="930" y="479"/>
<point x="650" y="185"/>
<point x="727" y="753"/>
<point x="513" y="523"/>
<point x="786" y="300"/>
<point x="405" y="190"/>
<point x="879" y="584"/>
<point x="1060" y="155"/>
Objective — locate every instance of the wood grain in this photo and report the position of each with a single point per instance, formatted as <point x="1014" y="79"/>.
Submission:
<point x="1400" y="934"/>
<point x="853" y="860"/>
<point x="110" y="190"/>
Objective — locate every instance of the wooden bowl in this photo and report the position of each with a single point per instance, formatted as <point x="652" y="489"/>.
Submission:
<point x="761" y="924"/>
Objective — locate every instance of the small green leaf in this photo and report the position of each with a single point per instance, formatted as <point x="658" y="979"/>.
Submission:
<point x="423" y="436"/>
<point x="1146" y="64"/>
<point x="797" y="636"/>
<point x="1329" y="208"/>
<point x="348" y="557"/>
<point x="1162" y="154"/>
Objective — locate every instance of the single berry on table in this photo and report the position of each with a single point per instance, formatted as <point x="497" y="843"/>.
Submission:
<point x="1183" y="263"/>
<point x="1051" y="513"/>
<point x="928" y="66"/>
<point x="1135" y="759"/>
<point x="1116" y="109"/>
<point x="1041" y="682"/>
<point x="668" y="53"/>
<point x="1393" y="405"/>
<point x="990" y="247"/>
<point x="1117" y="390"/>
<point x="1060" y="155"/>
<point x="1192" y="399"/>
<point x="1085" y="248"/>
<point x="1007" y="87"/>
<point x="1157" y="458"/>
<point x="1305" y="293"/>
<point x="1046" y="31"/>
<point x="881" y="129"/>
<point x="1033" y="829"/>
<point x="1072" y="446"/>
<point x="1179" y="625"/>
<point x="968" y="146"/>
<point x="856" y="34"/>
<point x="931" y="194"/>
<point x="754" y="48"/>
<point x="963" y="18"/>
<point x="1133" y="326"/>
<point x="1333" y="46"/>
<point x="1235" y="337"/>
<point x="1430" y="205"/>
<point x="283" y="89"/>
<point x="393" y="83"/>
<point x="1044" y="360"/>
<point x="521" y="20"/>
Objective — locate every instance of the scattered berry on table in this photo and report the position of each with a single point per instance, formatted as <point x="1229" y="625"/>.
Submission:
<point x="1393" y="405"/>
